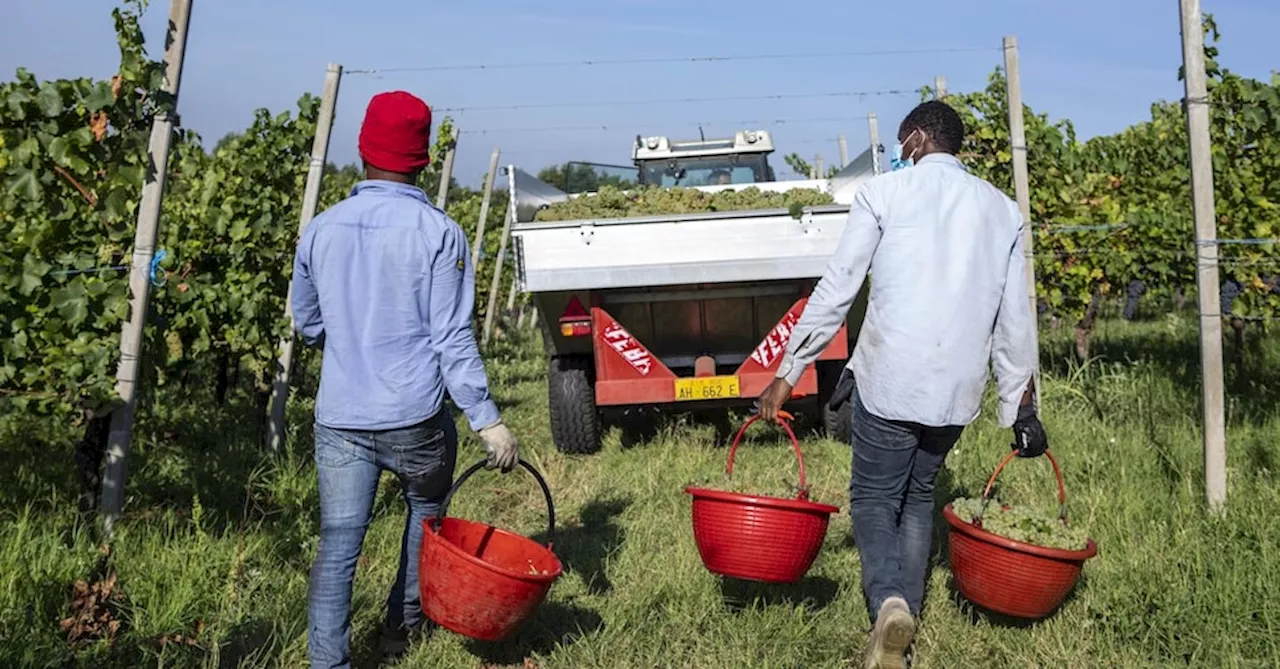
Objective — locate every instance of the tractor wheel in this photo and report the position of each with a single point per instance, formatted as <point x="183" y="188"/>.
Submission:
<point x="575" y="421"/>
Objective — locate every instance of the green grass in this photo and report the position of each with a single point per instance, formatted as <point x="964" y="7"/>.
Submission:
<point x="218" y="538"/>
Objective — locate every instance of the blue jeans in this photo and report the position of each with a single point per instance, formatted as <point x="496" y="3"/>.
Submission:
<point x="348" y="465"/>
<point x="895" y="464"/>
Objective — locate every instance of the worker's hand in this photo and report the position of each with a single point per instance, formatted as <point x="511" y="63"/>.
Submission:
<point x="772" y="399"/>
<point x="501" y="446"/>
<point x="1029" y="439"/>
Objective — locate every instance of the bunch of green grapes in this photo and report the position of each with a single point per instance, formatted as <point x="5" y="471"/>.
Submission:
<point x="1025" y="524"/>
<point x="612" y="202"/>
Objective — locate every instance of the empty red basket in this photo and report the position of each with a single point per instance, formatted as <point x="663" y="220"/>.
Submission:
<point x="757" y="537"/>
<point x="480" y="581"/>
<point x="1011" y="577"/>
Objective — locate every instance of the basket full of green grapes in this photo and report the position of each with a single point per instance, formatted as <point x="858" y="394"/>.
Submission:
<point x="1015" y="560"/>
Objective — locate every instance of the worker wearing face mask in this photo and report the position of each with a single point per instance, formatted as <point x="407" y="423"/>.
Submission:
<point x="949" y="296"/>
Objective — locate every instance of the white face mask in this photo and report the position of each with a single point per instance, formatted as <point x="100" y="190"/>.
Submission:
<point x="898" y="162"/>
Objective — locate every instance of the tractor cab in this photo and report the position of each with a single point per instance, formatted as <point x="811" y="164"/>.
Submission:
<point x="740" y="160"/>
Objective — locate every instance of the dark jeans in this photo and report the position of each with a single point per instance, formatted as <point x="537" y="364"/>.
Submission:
<point x="348" y="465"/>
<point x="895" y="464"/>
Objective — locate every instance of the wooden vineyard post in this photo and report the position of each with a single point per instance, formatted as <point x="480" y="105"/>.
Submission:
<point x="843" y="145"/>
<point x="446" y="172"/>
<point x="144" y="242"/>
<point x="502" y="255"/>
<point x="310" y="200"/>
<point x="1022" y="186"/>
<point x="484" y="210"/>
<point x="1207" y="287"/>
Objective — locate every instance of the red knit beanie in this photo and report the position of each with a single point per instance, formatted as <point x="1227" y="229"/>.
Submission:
<point x="396" y="135"/>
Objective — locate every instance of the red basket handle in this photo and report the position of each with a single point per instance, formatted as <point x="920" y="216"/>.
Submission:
<point x="1057" y="472"/>
<point x="783" y="417"/>
<point x="542" y="483"/>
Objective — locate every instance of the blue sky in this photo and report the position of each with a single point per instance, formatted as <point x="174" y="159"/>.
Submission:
<point x="1098" y="62"/>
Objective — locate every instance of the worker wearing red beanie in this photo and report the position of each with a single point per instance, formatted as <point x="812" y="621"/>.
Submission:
<point x="383" y="282"/>
<point x="396" y="135"/>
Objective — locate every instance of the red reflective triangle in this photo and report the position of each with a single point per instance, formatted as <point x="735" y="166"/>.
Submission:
<point x="575" y="309"/>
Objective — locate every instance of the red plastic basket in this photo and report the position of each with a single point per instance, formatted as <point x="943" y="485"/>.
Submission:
<point x="759" y="538"/>
<point x="480" y="581"/>
<point x="1012" y="577"/>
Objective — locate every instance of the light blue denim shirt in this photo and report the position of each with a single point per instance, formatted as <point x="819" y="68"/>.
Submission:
<point x="384" y="281"/>
<point x="948" y="297"/>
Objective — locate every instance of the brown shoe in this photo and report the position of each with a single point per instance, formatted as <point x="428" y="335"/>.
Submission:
<point x="891" y="636"/>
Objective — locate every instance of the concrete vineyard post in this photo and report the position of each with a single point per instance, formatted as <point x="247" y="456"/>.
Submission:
<point x="509" y="315"/>
<point x="939" y="87"/>
<point x="817" y="166"/>
<point x="511" y="294"/>
<point x="446" y="172"/>
<point x="310" y="201"/>
<point x="844" y="151"/>
<point x="873" y="128"/>
<point x="484" y="210"/>
<point x="1197" y="107"/>
<point x="1021" y="184"/>
<point x="502" y="254"/>
<point x="144" y="242"/>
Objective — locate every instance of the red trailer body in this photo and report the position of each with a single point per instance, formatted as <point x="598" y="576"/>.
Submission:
<point x="628" y="374"/>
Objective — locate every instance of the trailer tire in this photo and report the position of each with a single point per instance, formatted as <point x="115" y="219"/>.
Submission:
<point x="837" y="424"/>
<point x="571" y="397"/>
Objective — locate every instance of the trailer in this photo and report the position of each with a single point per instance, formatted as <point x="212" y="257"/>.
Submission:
<point x="682" y="311"/>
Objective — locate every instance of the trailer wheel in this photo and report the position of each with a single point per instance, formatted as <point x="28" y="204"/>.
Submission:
<point x="575" y="421"/>
<point x="837" y="425"/>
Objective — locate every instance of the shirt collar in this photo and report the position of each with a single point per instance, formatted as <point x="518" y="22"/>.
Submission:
<point x="381" y="187"/>
<point x="942" y="159"/>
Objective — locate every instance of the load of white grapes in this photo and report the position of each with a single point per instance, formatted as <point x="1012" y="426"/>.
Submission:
<point x="613" y="202"/>
<point x="1022" y="523"/>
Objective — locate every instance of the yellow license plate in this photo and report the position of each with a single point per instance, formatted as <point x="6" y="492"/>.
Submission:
<point x="707" y="388"/>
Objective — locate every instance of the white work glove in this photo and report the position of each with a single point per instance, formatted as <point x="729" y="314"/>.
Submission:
<point x="501" y="446"/>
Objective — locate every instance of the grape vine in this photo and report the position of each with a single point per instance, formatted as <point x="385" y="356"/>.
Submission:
<point x="72" y="163"/>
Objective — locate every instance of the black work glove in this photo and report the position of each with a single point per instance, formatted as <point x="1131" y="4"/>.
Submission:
<point x="1029" y="439"/>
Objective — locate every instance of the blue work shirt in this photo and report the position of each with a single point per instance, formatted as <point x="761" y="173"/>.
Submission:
<point x="384" y="282"/>
<point x="949" y="297"/>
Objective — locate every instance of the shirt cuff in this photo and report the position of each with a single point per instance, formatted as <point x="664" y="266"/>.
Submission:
<point x="1008" y="412"/>
<point x="1009" y="405"/>
<point x="790" y="371"/>
<point x="482" y="415"/>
